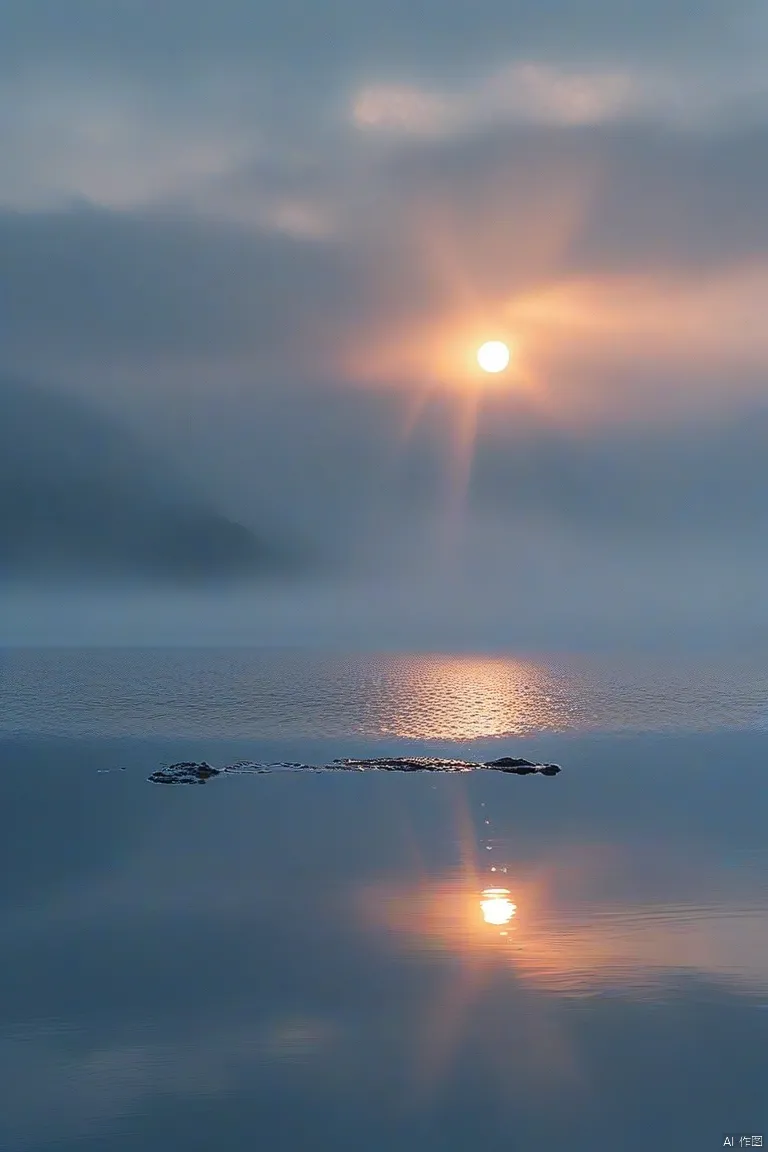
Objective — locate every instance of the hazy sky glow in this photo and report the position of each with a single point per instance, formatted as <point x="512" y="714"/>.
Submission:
<point x="266" y="235"/>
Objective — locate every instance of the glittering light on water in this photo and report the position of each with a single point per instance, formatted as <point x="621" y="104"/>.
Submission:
<point x="496" y="906"/>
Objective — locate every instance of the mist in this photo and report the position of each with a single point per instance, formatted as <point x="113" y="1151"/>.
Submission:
<point x="245" y="269"/>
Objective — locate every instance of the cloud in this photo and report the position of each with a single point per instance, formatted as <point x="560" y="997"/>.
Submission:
<point x="70" y="137"/>
<point x="275" y="252"/>
<point x="94" y="107"/>
<point x="178" y="36"/>
<point x="94" y="285"/>
<point x="671" y="484"/>
<point x="630" y="270"/>
<point x="526" y="93"/>
<point x="482" y="219"/>
<point x="549" y="93"/>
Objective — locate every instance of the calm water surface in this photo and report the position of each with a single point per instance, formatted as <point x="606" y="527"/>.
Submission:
<point x="382" y="961"/>
<point x="285" y="694"/>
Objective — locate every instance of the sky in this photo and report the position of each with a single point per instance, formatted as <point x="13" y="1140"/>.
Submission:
<point x="268" y="240"/>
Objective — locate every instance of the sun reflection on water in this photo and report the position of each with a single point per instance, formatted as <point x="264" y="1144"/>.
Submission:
<point x="496" y="906"/>
<point x="469" y="697"/>
<point x="577" y="944"/>
<point x="555" y="926"/>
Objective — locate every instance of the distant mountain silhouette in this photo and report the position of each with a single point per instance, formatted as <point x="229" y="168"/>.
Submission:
<point x="80" y="497"/>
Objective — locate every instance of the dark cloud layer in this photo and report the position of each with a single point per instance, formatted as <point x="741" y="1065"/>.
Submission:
<point x="299" y="36"/>
<point x="680" y="484"/>
<point x="92" y="284"/>
<point x="79" y="498"/>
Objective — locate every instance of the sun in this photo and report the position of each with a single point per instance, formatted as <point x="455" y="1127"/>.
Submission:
<point x="493" y="356"/>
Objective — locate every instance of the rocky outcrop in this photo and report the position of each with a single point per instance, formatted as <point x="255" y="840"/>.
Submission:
<point x="437" y="764"/>
<point x="188" y="772"/>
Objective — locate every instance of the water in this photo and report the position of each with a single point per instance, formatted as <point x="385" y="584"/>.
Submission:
<point x="242" y="693"/>
<point x="376" y="960"/>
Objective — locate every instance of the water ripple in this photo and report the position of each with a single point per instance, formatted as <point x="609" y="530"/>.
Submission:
<point x="261" y="694"/>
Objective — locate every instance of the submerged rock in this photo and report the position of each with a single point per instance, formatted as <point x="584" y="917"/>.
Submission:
<point x="186" y="772"/>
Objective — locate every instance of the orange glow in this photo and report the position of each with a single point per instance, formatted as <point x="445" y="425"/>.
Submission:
<point x="441" y="361"/>
<point x="584" y="334"/>
<point x="675" y="311"/>
<point x="436" y="355"/>
<point x="440" y="357"/>
<point x="552" y="930"/>
<point x="574" y="945"/>
<point x="444" y="913"/>
<point x="469" y="697"/>
<point x="472" y="264"/>
<point x="571" y="339"/>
